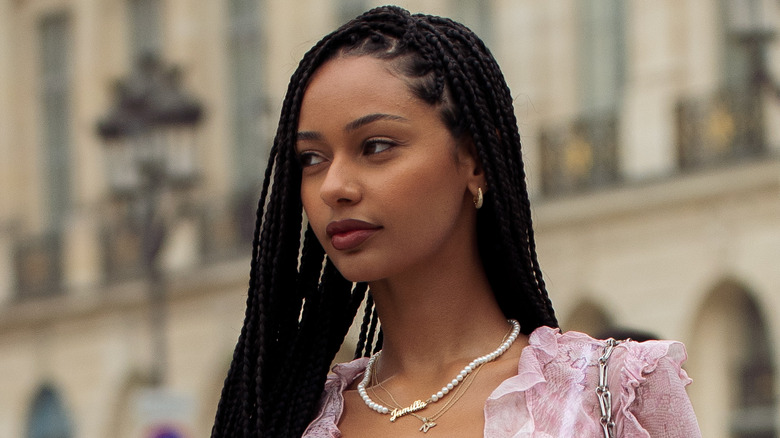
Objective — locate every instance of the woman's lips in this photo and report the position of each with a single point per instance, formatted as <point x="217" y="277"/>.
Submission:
<point x="350" y="233"/>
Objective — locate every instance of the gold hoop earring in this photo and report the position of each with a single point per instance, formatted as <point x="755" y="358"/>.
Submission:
<point x="478" y="199"/>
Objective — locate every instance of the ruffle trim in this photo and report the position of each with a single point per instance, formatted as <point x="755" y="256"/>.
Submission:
<point x="639" y="360"/>
<point x="332" y="400"/>
<point x="527" y="391"/>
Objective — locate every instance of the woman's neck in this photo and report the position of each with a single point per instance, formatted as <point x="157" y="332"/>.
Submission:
<point x="433" y="319"/>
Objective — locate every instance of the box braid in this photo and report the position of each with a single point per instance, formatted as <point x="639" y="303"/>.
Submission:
<point x="299" y="307"/>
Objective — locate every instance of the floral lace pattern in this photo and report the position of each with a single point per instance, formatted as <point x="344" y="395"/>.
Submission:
<point x="553" y="394"/>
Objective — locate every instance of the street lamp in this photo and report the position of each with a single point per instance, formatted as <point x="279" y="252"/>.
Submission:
<point x="150" y="138"/>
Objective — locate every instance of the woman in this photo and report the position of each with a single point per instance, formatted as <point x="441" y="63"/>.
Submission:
<point x="398" y="139"/>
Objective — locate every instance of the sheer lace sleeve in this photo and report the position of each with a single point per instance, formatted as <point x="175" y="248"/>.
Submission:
<point x="553" y="395"/>
<point x="654" y="402"/>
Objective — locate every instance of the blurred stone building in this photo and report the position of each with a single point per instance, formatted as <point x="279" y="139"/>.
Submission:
<point x="652" y="140"/>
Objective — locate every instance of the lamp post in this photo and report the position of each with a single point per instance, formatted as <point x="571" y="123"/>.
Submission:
<point x="150" y="134"/>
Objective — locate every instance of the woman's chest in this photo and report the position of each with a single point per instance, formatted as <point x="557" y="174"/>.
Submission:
<point x="461" y="413"/>
<point x="462" y="418"/>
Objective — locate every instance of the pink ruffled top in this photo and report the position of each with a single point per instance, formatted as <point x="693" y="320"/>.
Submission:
<point x="553" y="394"/>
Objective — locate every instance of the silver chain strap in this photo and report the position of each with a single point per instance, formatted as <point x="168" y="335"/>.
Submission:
<point x="602" y="390"/>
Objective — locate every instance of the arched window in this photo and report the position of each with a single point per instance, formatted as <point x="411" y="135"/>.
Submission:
<point x="48" y="417"/>
<point x="731" y="358"/>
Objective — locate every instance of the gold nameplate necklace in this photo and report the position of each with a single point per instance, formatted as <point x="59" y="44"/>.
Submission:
<point x="430" y="421"/>
<point x="419" y="405"/>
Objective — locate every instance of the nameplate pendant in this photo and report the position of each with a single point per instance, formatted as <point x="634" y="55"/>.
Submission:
<point x="416" y="406"/>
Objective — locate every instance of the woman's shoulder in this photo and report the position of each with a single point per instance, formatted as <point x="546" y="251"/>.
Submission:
<point x="559" y="372"/>
<point x="558" y="363"/>
<point x="549" y="345"/>
<point x="563" y="358"/>
<point x="343" y="374"/>
<point x="331" y="403"/>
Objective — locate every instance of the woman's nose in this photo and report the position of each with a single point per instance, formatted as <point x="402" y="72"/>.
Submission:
<point x="340" y="186"/>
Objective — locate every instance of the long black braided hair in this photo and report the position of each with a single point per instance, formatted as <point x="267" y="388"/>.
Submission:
<point x="299" y="307"/>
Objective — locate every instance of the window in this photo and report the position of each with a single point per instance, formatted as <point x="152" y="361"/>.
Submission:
<point x="601" y="54"/>
<point x="742" y="47"/>
<point x="727" y="125"/>
<point x="253" y="124"/>
<point x="56" y="113"/>
<point x="249" y="106"/>
<point x="581" y="153"/>
<point x="38" y="259"/>
<point x="731" y="349"/>
<point x="754" y="408"/>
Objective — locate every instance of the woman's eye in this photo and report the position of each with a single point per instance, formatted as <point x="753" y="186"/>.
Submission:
<point x="375" y="146"/>
<point x="308" y="159"/>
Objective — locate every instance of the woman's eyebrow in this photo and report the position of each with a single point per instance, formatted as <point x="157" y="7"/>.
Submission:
<point x="308" y="135"/>
<point x="362" y="121"/>
<point x="351" y="126"/>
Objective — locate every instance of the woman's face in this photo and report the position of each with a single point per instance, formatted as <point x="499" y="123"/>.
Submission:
<point x="385" y="186"/>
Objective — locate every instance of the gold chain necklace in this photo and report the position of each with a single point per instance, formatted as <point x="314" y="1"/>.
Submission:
<point x="419" y="404"/>
<point x="428" y="422"/>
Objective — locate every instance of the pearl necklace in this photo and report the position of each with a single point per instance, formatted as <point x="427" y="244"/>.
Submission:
<point x="419" y="404"/>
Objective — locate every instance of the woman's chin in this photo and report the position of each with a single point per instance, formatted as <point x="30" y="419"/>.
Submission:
<point x="357" y="274"/>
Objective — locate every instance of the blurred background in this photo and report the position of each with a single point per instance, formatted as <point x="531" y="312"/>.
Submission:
<point x="134" y="135"/>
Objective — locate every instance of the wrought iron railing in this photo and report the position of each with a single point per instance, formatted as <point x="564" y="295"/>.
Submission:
<point x="122" y="243"/>
<point x="226" y="231"/>
<point x="579" y="155"/>
<point x="38" y="266"/>
<point x="725" y="126"/>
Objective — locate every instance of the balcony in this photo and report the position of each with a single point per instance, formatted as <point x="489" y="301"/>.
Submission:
<point x="122" y="243"/>
<point x="226" y="231"/>
<point x="579" y="155"/>
<point x="38" y="266"/>
<point x="223" y="232"/>
<point x="724" y="127"/>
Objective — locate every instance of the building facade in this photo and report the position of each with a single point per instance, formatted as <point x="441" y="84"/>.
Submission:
<point x="651" y="133"/>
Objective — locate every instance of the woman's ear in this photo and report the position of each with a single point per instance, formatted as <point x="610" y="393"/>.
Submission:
<point x="471" y="165"/>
